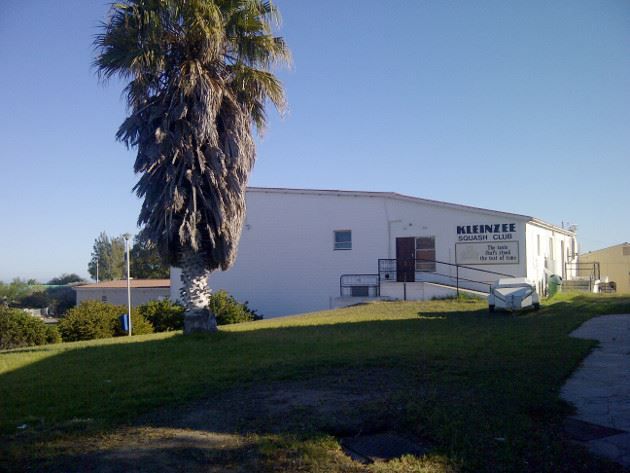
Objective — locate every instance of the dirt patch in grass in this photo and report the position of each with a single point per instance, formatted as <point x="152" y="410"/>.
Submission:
<point x="147" y="449"/>
<point x="281" y="426"/>
<point x="341" y="401"/>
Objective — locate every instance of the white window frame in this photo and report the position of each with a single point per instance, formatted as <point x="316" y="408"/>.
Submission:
<point x="340" y="245"/>
<point x="426" y="266"/>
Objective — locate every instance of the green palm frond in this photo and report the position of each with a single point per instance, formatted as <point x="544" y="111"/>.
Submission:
<point x="199" y="78"/>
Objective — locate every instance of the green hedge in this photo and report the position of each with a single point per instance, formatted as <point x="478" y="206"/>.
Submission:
<point x="165" y="316"/>
<point x="228" y="310"/>
<point x="94" y="319"/>
<point x="52" y="334"/>
<point x="19" y="329"/>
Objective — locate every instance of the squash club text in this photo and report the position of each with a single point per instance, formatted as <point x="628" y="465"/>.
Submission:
<point x="494" y="231"/>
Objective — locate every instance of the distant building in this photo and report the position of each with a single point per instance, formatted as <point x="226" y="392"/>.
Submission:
<point x="304" y="250"/>
<point x="115" y="292"/>
<point x="614" y="264"/>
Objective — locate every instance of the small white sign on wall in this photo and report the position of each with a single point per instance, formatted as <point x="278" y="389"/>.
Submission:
<point x="505" y="252"/>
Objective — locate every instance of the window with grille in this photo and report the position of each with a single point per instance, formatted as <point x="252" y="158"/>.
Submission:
<point x="425" y="254"/>
<point x="360" y="291"/>
<point x="343" y="240"/>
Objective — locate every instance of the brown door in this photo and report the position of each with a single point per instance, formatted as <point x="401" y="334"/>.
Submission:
<point x="405" y="259"/>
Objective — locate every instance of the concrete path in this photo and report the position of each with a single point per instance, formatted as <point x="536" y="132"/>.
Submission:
<point x="600" y="388"/>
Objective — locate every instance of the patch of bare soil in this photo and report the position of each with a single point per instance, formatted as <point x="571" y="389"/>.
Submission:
<point x="225" y="433"/>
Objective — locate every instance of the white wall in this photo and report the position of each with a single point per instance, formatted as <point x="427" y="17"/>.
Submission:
<point x="415" y="291"/>
<point x="412" y="219"/>
<point x="545" y="254"/>
<point x="286" y="262"/>
<point x="118" y="296"/>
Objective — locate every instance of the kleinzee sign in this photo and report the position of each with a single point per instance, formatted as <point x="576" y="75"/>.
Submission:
<point x="495" y="243"/>
<point x="487" y="253"/>
<point x="485" y="232"/>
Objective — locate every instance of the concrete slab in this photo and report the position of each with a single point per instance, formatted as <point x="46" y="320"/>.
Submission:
<point x="600" y="387"/>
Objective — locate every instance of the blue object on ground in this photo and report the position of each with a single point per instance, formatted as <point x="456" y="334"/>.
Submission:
<point x="124" y="322"/>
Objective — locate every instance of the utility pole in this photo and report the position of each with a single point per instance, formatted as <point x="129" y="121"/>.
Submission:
<point x="126" y="236"/>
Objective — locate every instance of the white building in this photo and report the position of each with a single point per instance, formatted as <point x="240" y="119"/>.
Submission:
<point x="115" y="292"/>
<point x="304" y="250"/>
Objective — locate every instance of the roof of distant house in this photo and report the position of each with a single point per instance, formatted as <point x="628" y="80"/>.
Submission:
<point x="122" y="284"/>
<point x="625" y="243"/>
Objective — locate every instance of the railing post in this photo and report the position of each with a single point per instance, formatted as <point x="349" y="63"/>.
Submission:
<point x="457" y="279"/>
<point x="405" y="287"/>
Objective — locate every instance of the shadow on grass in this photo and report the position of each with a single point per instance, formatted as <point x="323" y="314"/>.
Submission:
<point x="460" y="381"/>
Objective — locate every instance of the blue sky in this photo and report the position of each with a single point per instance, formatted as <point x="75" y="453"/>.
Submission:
<point x="515" y="106"/>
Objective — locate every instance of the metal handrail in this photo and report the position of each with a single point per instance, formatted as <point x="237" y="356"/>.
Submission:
<point x="447" y="264"/>
<point x="459" y="278"/>
<point x="394" y="268"/>
<point x="593" y="269"/>
<point x="451" y="276"/>
<point x="345" y="279"/>
<point x="358" y="276"/>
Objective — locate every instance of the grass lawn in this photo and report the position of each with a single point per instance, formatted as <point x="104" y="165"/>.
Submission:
<point x="481" y="390"/>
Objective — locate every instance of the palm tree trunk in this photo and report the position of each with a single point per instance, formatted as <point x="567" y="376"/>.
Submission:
<point x="195" y="294"/>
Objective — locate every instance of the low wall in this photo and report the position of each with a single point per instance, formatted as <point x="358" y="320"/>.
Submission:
<point x="420" y="291"/>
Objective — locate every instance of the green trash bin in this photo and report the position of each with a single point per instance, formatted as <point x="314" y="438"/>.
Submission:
<point x="554" y="284"/>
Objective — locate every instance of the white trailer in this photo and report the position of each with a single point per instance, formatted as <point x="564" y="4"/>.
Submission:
<point x="513" y="294"/>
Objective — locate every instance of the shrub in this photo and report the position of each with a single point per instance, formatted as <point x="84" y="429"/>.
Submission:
<point x="139" y="325"/>
<point x="228" y="310"/>
<point x="36" y="300"/>
<point x="19" y="329"/>
<point x="165" y="315"/>
<point x="94" y="319"/>
<point x="62" y="299"/>
<point x="52" y="334"/>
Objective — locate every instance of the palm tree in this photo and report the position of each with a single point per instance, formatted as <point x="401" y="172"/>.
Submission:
<point x="199" y="78"/>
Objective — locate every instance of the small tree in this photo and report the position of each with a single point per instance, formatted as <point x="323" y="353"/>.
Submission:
<point x="108" y="258"/>
<point x="12" y="293"/>
<point x="65" y="279"/>
<point x="146" y="262"/>
<point x="39" y="299"/>
<point x="61" y="299"/>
